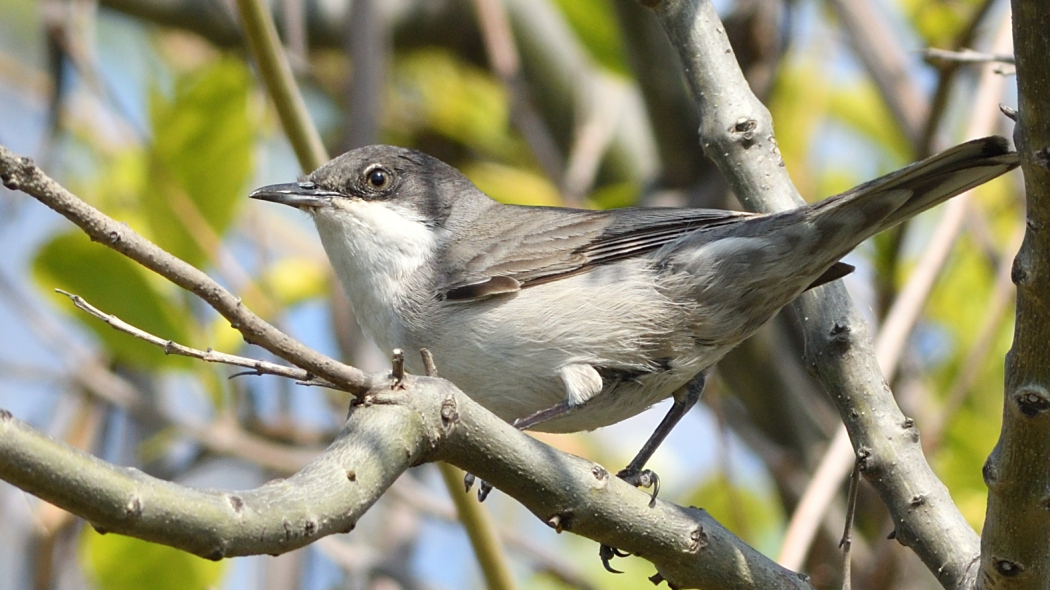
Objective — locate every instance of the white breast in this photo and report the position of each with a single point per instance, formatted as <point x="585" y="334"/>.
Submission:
<point x="378" y="251"/>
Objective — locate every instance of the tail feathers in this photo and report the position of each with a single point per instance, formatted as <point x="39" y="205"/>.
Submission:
<point x="845" y="220"/>
<point x="927" y="183"/>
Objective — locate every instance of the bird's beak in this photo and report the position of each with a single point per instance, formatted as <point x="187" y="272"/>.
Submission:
<point x="295" y="194"/>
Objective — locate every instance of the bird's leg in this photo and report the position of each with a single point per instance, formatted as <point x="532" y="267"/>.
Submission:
<point x="635" y="472"/>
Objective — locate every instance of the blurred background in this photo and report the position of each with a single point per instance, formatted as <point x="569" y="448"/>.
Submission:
<point x="153" y="112"/>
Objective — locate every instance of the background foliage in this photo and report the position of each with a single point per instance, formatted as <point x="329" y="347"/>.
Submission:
<point x="153" y="114"/>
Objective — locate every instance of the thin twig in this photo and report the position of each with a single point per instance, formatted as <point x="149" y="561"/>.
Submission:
<point x="257" y="367"/>
<point x="277" y="74"/>
<point x="19" y="173"/>
<point x="966" y="56"/>
<point x="847" y="531"/>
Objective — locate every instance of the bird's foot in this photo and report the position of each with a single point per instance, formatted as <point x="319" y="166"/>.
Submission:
<point x="607" y="553"/>
<point x="642" y="478"/>
<point x="484" y="487"/>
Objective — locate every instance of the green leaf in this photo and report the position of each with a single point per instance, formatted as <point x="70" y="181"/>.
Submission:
<point x="116" y="562"/>
<point x="434" y="91"/>
<point x="115" y="285"/>
<point x="508" y="184"/>
<point x="595" y="24"/>
<point x="200" y="159"/>
<point x="861" y="108"/>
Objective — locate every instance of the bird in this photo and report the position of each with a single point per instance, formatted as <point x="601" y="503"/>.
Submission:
<point x="564" y="320"/>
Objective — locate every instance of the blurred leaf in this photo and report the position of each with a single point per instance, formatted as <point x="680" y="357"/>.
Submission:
<point x="116" y="285"/>
<point x="116" y="562"/>
<point x="200" y="159"/>
<point x="512" y="185"/>
<point x="798" y="104"/>
<point x="615" y="195"/>
<point x="861" y="108"/>
<point x="436" y="91"/>
<point x="939" y="23"/>
<point x="595" y="24"/>
<point x="958" y="306"/>
<point x="294" y="280"/>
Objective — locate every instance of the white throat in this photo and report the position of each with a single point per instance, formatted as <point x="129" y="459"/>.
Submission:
<point x="379" y="252"/>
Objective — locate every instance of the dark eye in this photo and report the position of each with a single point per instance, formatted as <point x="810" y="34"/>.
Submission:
<point x="378" y="178"/>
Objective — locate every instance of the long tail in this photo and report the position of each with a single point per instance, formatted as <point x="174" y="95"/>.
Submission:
<point x="849" y="218"/>
<point x="909" y="191"/>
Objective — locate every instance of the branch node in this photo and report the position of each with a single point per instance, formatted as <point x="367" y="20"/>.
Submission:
<point x="697" y="540"/>
<point x="10" y="181"/>
<point x="864" y="462"/>
<point x="397" y="369"/>
<point x="600" y="473"/>
<point x="133" y="509"/>
<point x="429" y="368"/>
<point x="743" y="130"/>
<point x="1042" y="157"/>
<point x="449" y="411"/>
<point x="236" y="502"/>
<point x="990" y="473"/>
<point x="560" y="522"/>
<point x="217" y="553"/>
<point x="1031" y="400"/>
<point x="1018" y="272"/>
<point x="1007" y="568"/>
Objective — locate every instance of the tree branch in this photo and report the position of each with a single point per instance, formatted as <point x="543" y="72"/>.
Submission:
<point x="19" y="173"/>
<point x="1016" y="541"/>
<point x="737" y="132"/>
<point x="257" y="366"/>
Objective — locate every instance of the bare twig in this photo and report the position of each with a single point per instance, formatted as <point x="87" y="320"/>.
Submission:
<point x="847" y="531"/>
<point x="1016" y="530"/>
<point x="257" y="367"/>
<point x="966" y="56"/>
<point x="19" y="173"/>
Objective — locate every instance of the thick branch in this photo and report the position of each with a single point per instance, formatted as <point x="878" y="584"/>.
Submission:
<point x="1016" y="541"/>
<point x="377" y="443"/>
<point x="736" y="131"/>
<point x="19" y="173"/>
<point x="392" y="430"/>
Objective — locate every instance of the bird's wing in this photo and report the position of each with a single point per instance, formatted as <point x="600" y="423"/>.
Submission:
<point x="550" y="244"/>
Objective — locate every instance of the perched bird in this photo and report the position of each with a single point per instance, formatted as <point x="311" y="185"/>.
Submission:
<point x="563" y="320"/>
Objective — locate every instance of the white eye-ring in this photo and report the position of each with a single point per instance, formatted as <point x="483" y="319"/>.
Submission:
<point x="378" y="178"/>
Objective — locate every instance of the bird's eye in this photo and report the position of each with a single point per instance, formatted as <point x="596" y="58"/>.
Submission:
<point x="378" y="178"/>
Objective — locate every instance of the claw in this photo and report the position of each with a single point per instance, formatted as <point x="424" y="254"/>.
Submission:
<point x="607" y="553"/>
<point x="645" y="478"/>
<point x="483" y="490"/>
